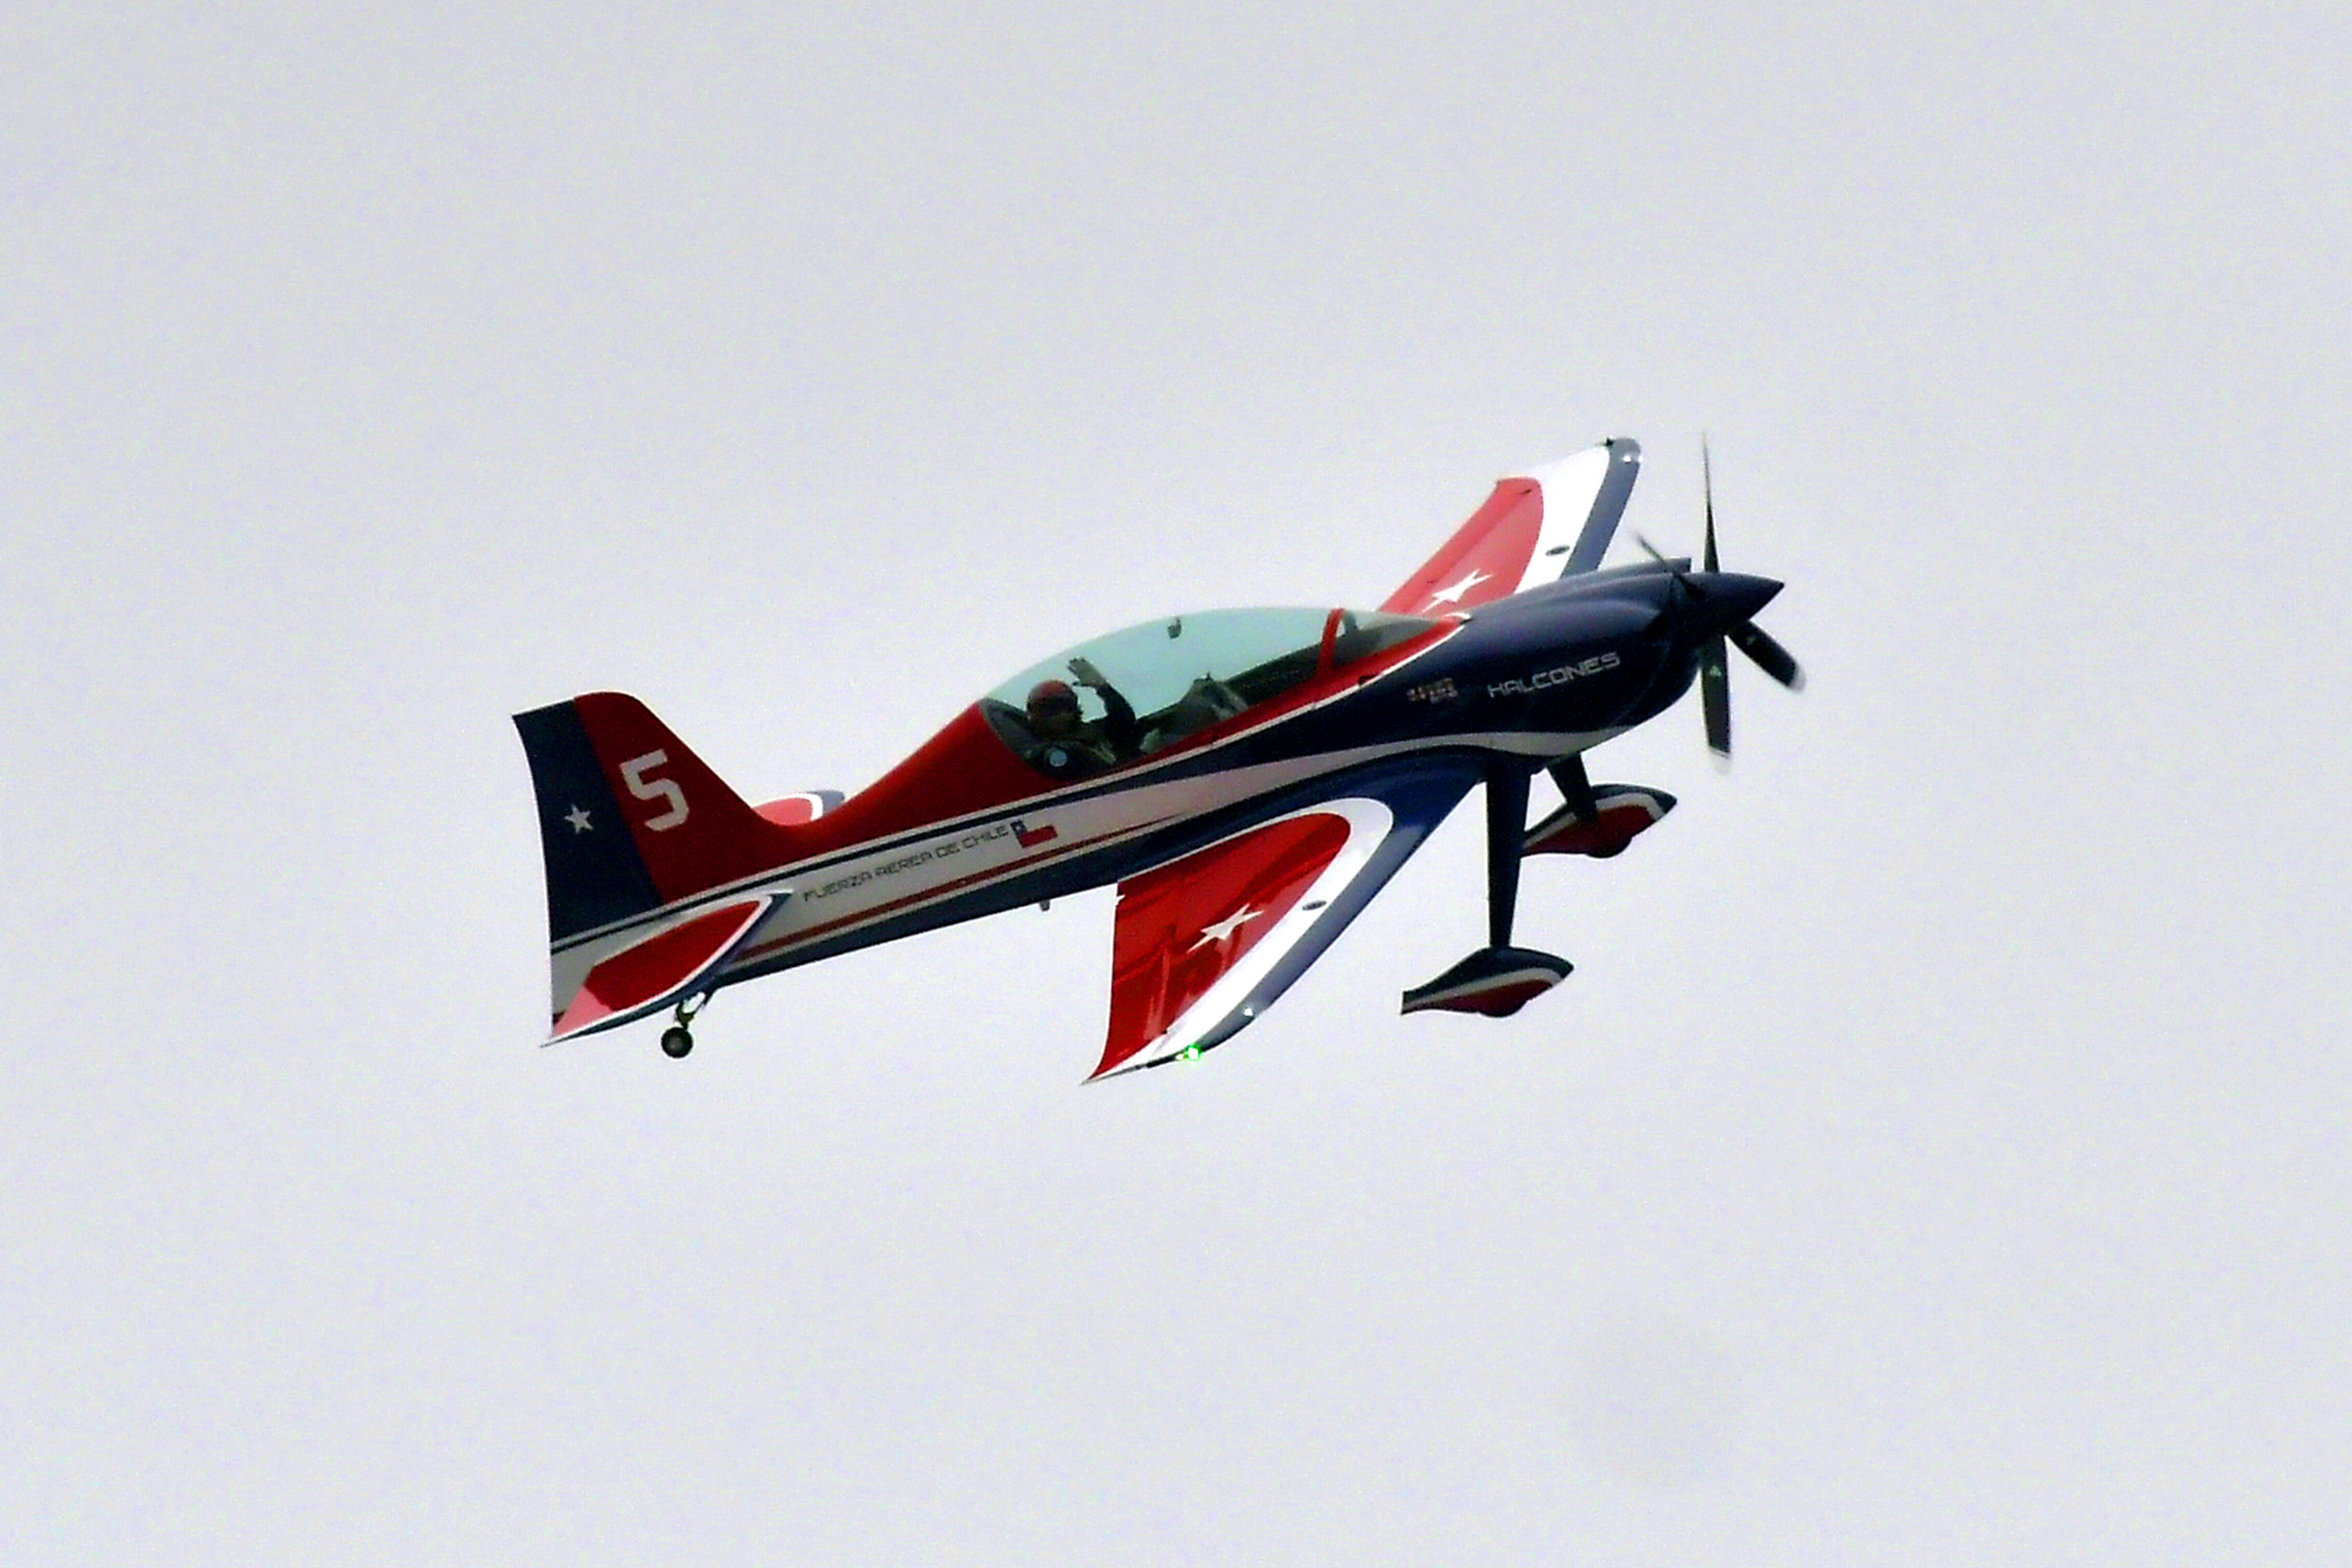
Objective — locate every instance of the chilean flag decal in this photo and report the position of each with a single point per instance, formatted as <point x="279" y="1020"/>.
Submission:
<point x="1030" y="837"/>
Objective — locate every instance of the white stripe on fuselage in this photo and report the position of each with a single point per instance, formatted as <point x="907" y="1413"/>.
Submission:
<point x="845" y="894"/>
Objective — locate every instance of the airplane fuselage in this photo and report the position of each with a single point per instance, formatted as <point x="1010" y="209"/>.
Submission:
<point x="1517" y="683"/>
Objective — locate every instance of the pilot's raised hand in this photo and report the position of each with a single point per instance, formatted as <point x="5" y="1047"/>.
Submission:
<point x="1086" y="672"/>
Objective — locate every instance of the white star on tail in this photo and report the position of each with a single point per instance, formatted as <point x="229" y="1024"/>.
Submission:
<point x="578" y="817"/>
<point x="1218" y="931"/>
<point x="1454" y="595"/>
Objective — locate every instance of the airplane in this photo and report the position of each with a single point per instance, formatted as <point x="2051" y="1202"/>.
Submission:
<point x="1248" y="778"/>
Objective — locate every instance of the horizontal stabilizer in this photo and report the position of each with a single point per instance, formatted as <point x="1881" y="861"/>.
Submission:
<point x="1496" y="982"/>
<point x="805" y="806"/>
<point x="652" y="973"/>
<point x="1620" y="813"/>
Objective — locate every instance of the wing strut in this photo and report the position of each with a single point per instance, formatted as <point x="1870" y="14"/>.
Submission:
<point x="1576" y="786"/>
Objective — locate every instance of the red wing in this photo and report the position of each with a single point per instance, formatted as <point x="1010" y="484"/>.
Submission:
<point x="1204" y="944"/>
<point x="1539" y="526"/>
<point x="1186" y="926"/>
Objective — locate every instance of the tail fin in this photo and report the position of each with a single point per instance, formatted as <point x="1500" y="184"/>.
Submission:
<point x="628" y="818"/>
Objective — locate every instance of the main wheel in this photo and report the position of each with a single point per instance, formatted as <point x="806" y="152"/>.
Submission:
<point x="676" y="1041"/>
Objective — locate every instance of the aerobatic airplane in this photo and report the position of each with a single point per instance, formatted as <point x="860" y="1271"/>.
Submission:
<point x="1248" y="778"/>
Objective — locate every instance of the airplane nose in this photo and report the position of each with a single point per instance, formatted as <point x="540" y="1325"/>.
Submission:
<point x="1730" y="599"/>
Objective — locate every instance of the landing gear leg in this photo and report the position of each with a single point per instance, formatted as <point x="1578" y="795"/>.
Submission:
<point x="679" y="1038"/>
<point x="1498" y="979"/>
<point x="1507" y="832"/>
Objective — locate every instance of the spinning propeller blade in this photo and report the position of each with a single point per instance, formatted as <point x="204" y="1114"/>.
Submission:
<point x="1714" y="674"/>
<point x="1769" y="655"/>
<point x="1714" y="671"/>
<point x="1714" y="698"/>
<point x="1707" y="487"/>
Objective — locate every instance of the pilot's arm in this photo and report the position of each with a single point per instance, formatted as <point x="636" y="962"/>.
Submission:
<point x="1118" y="716"/>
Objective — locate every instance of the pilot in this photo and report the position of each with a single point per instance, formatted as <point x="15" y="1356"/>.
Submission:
<point x="1067" y="745"/>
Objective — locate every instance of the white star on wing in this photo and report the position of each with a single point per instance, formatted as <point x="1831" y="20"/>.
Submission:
<point x="1454" y="595"/>
<point x="578" y="817"/>
<point x="1218" y="931"/>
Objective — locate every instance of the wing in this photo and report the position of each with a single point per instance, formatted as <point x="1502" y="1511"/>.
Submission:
<point x="1204" y="945"/>
<point x="1539" y="526"/>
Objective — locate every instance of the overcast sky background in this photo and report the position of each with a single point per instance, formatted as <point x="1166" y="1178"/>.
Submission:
<point x="1939" y="1155"/>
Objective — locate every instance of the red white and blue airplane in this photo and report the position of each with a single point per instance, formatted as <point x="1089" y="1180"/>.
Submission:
<point x="1248" y="778"/>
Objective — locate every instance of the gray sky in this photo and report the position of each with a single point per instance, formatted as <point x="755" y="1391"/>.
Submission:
<point x="1939" y="1156"/>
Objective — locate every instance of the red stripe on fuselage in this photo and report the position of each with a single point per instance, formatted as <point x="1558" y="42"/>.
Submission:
<point x="967" y="768"/>
<point x="964" y="769"/>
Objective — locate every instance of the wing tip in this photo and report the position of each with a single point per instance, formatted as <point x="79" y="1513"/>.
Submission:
<point x="1619" y="450"/>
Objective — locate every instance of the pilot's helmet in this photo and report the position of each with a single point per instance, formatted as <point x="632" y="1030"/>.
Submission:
<point x="1053" y="702"/>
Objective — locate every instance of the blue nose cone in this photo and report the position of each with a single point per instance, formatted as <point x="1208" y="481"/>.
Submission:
<point x="1729" y="598"/>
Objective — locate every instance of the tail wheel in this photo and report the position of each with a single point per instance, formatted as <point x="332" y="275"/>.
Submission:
<point x="676" y="1041"/>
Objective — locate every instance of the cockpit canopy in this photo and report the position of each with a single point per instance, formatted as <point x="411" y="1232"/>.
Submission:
<point x="1133" y="692"/>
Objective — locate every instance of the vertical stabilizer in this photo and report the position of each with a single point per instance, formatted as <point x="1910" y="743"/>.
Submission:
<point x="629" y="819"/>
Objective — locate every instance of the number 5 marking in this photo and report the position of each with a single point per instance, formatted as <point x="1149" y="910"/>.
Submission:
<point x="644" y="788"/>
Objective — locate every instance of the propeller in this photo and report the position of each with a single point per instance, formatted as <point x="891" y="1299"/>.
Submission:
<point x="1742" y="633"/>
